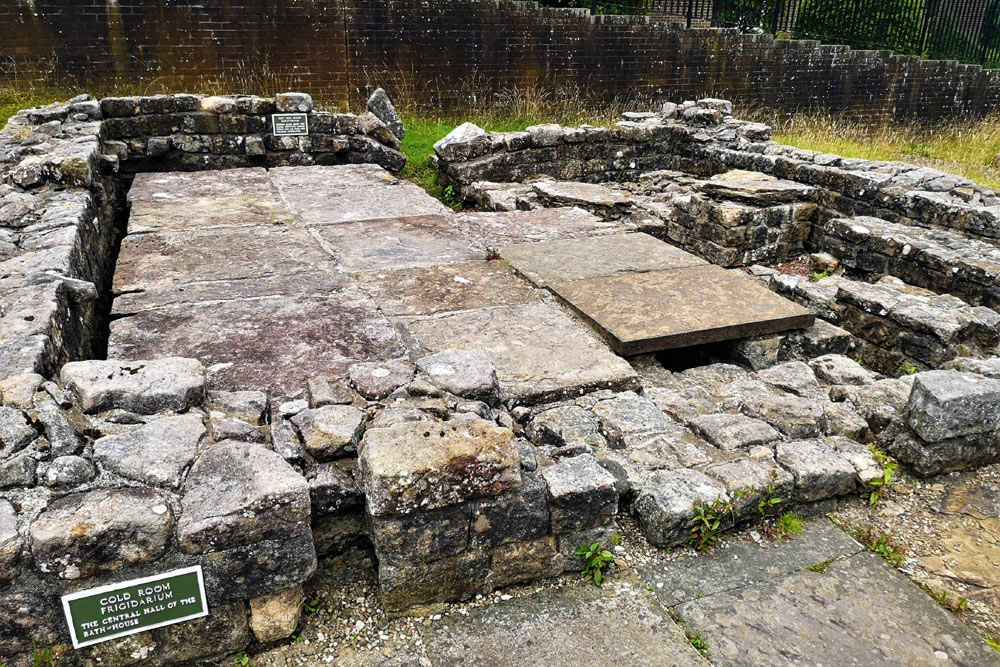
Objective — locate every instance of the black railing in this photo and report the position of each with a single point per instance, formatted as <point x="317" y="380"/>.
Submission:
<point x="964" y="30"/>
<point x="637" y="7"/>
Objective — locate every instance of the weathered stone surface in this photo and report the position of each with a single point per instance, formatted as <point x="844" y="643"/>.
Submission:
<point x="418" y="466"/>
<point x="794" y="416"/>
<point x="466" y="373"/>
<point x="27" y="620"/>
<point x="330" y="432"/>
<point x="500" y="229"/>
<point x="881" y="404"/>
<point x="101" y="530"/>
<point x="16" y="391"/>
<point x="820" y="471"/>
<point x="69" y="471"/>
<point x="143" y="387"/>
<point x="838" y="369"/>
<point x="293" y="102"/>
<point x="926" y="459"/>
<point x="237" y="494"/>
<point x="223" y="631"/>
<point x="834" y="617"/>
<point x="555" y="629"/>
<point x="63" y="438"/>
<point x="457" y="143"/>
<point x="10" y="542"/>
<point x="755" y="188"/>
<point x="665" y="504"/>
<point x="794" y="377"/>
<point x="330" y="390"/>
<point x="248" y="406"/>
<point x="403" y="584"/>
<point x="627" y="419"/>
<point x="525" y="561"/>
<point x="398" y="243"/>
<point x="380" y="105"/>
<point x="539" y="353"/>
<point x="376" y="380"/>
<point x="156" y="453"/>
<point x="659" y="310"/>
<point x="332" y="489"/>
<point x="271" y="343"/>
<point x="603" y="199"/>
<point x="687" y="579"/>
<point x="16" y="432"/>
<point x="274" y="617"/>
<point x="249" y="571"/>
<point x="519" y="515"/>
<point x="18" y="471"/>
<point x="565" y="425"/>
<point x="951" y="404"/>
<point x="445" y="288"/>
<point x="326" y="195"/>
<point x="843" y="420"/>
<point x="734" y="432"/>
<point x="582" y="494"/>
<point x="568" y="260"/>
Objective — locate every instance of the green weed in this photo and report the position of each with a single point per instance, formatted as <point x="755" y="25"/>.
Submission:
<point x="790" y="524"/>
<point x="908" y="369"/>
<point x="882" y="485"/>
<point x="312" y="607"/>
<point x="994" y="642"/>
<point x="818" y="276"/>
<point x="821" y="567"/>
<point x="768" y="506"/>
<point x="697" y="641"/>
<point x="596" y="558"/>
<point x="242" y="659"/>
<point x="706" y="523"/>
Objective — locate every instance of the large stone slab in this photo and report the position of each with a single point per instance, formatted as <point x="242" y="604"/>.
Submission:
<point x="753" y="187"/>
<point x="496" y="230"/>
<point x="205" y="199"/>
<point x="617" y="624"/>
<point x="579" y="259"/>
<point x="686" y="579"/>
<point x="951" y="404"/>
<point x="839" y="616"/>
<point x="240" y="259"/>
<point x="539" y="352"/>
<point x="398" y="243"/>
<point x="326" y="195"/>
<point x="272" y="343"/>
<point x="445" y="288"/>
<point x="145" y="387"/>
<point x="661" y="310"/>
<point x="420" y="466"/>
<point x="155" y="453"/>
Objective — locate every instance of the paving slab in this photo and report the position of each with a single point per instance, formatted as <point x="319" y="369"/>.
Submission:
<point x="208" y="199"/>
<point x="578" y="259"/>
<point x="616" y="624"/>
<point x="496" y="230"/>
<point x="741" y="564"/>
<point x="445" y="288"/>
<point x="540" y="353"/>
<point x="753" y="187"/>
<point x="162" y="260"/>
<point x="329" y="195"/>
<point x="599" y="197"/>
<point x="857" y="611"/>
<point x="397" y="243"/>
<point x="269" y="343"/>
<point x="647" y="312"/>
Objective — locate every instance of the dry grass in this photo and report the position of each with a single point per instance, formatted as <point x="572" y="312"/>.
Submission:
<point x="965" y="148"/>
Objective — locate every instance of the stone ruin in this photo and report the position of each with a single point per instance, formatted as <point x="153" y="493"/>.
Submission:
<point x="225" y="348"/>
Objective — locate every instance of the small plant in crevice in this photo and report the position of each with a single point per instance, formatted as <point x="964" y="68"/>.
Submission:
<point x="818" y="276"/>
<point x="789" y="524"/>
<point x="878" y="543"/>
<point x="768" y="505"/>
<point x="452" y="198"/>
<point x="44" y="657"/>
<point x="957" y="606"/>
<point x="994" y="642"/>
<point x="821" y="567"/>
<point x="908" y="369"/>
<point x="241" y="659"/>
<point x="706" y="523"/>
<point x="695" y="639"/>
<point x="312" y="607"/>
<point x="596" y="559"/>
<point x="882" y="485"/>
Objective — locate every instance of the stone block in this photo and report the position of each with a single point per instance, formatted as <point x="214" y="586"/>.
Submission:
<point x="11" y="543"/>
<point x="820" y="471"/>
<point x="466" y="373"/>
<point x="101" y="530"/>
<point x="143" y="387"/>
<point x="380" y="105"/>
<point x="249" y="406"/>
<point x="67" y="471"/>
<point x="936" y="458"/>
<point x="18" y="471"/>
<point x="16" y="432"/>
<point x="951" y="404"/>
<point x="734" y="432"/>
<point x="257" y="569"/>
<point x="421" y="537"/>
<point x="293" y="102"/>
<point x="838" y="369"/>
<point x="665" y="504"/>
<point x="582" y="494"/>
<point x="794" y="416"/>
<point x="332" y="489"/>
<point x="376" y="380"/>
<point x="237" y="494"/>
<point x="524" y="561"/>
<point x="518" y="515"/>
<point x="225" y="630"/>
<point x="156" y="453"/>
<point x="565" y="425"/>
<point x="418" y="466"/>
<point x="454" y="578"/>
<point x="275" y="616"/>
<point x="330" y="432"/>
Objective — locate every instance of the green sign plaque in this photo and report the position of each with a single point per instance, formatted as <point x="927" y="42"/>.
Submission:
<point x="290" y="124"/>
<point x="118" y="610"/>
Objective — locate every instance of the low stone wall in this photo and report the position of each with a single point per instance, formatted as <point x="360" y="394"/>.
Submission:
<point x="192" y="133"/>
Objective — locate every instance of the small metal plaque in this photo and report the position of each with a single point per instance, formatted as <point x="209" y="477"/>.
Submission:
<point x="123" y="609"/>
<point x="290" y="124"/>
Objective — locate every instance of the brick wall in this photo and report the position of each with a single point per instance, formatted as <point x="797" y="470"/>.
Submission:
<point x="452" y="53"/>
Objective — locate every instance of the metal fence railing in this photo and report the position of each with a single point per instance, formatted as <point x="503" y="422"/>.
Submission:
<point x="964" y="30"/>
